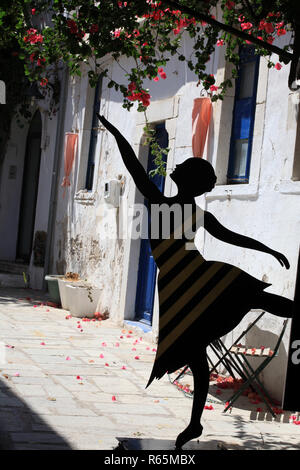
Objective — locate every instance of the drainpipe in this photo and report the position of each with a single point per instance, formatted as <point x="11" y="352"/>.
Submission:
<point x="55" y="173"/>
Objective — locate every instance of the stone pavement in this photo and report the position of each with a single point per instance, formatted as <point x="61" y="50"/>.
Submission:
<point x="70" y="384"/>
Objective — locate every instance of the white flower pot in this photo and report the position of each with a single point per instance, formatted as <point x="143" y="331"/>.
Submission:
<point x="63" y="292"/>
<point x="82" y="299"/>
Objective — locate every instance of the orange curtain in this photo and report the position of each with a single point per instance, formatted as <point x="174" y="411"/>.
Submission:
<point x="69" y="155"/>
<point x="201" y="116"/>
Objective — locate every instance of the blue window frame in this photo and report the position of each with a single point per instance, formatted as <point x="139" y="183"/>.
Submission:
<point x="93" y="139"/>
<point x="243" y="117"/>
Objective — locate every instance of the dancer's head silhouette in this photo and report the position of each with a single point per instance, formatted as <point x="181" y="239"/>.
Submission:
<point x="194" y="177"/>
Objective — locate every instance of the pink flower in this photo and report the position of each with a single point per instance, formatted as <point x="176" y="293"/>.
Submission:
<point x="33" y="10"/>
<point x="42" y="344"/>
<point x="136" y="357"/>
<point x="68" y="358"/>
<point x="104" y="344"/>
<point x="220" y="42"/>
<point x="17" y="374"/>
<point x="106" y="364"/>
<point x="213" y="88"/>
<point x="156" y="79"/>
<point x="163" y="75"/>
<point x="246" y="26"/>
<point x="123" y="368"/>
<point x="101" y="356"/>
<point x="114" y="398"/>
<point x="278" y="66"/>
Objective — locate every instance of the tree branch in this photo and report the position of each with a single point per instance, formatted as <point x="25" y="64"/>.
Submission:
<point x="285" y="56"/>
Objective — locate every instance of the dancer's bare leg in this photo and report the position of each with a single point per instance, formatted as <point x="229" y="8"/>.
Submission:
<point x="200" y="370"/>
<point x="274" y="304"/>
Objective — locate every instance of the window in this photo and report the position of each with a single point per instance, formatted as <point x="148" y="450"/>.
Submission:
<point x="93" y="139"/>
<point x="243" y="117"/>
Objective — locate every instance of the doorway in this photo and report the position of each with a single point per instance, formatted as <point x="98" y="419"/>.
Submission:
<point x="29" y="190"/>
<point x="147" y="268"/>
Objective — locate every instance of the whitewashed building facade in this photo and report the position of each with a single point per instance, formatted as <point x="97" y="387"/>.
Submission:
<point x="82" y="228"/>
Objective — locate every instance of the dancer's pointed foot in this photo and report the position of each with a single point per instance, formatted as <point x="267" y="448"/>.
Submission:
<point x="191" y="432"/>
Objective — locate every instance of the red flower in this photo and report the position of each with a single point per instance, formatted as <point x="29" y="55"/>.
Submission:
<point x="229" y="4"/>
<point x="40" y="62"/>
<point x="163" y="75"/>
<point x="44" y="81"/>
<point x="278" y="66"/>
<point x="113" y="398"/>
<point x="281" y="32"/>
<point x="94" y="28"/>
<point x="33" y="10"/>
<point x="156" y="79"/>
<point x="213" y="88"/>
<point x="220" y="42"/>
<point x="73" y="26"/>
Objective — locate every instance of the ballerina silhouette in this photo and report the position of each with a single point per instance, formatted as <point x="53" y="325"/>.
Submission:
<point x="199" y="301"/>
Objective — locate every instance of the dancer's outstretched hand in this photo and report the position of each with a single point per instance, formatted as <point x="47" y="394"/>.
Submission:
<point x="281" y="258"/>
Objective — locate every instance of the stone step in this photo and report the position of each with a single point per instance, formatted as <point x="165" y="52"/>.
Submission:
<point x="12" y="280"/>
<point x="13" y="267"/>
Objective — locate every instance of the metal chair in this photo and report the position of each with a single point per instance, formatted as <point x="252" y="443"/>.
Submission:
<point x="224" y="356"/>
<point x="241" y="354"/>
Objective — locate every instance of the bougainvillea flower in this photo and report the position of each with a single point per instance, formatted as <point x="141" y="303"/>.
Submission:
<point x="281" y="32"/>
<point x="220" y="42"/>
<point x="42" y="344"/>
<point x="106" y="364"/>
<point x="213" y="88"/>
<point x="44" y="81"/>
<point x="156" y="79"/>
<point x="114" y="398"/>
<point x="68" y="358"/>
<point x="246" y="26"/>
<point x="101" y="356"/>
<point x="136" y="357"/>
<point x="94" y="28"/>
<point x="123" y="368"/>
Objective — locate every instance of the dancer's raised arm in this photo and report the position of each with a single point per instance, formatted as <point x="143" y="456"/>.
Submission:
<point x="213" y="226"/>
<point x="133" y="165"/>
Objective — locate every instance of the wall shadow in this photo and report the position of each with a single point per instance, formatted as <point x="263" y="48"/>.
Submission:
<point x="21" y="428"/>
